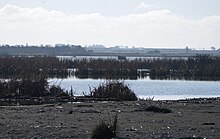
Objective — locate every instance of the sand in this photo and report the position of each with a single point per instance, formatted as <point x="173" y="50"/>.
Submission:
<point x="189" y="118"/>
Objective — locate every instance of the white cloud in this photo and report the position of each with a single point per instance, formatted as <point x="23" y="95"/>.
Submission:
<point x="159" y="28"/>
<point x="143" y="5"/>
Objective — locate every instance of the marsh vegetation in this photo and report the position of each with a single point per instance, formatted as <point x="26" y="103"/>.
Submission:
<point x="27" y="76"/>
<point x="200" y="66"/>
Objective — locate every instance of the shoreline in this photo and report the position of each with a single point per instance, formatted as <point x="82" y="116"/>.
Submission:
<point x="189" y="118"/>
<point x="176" y="97"/>
<point x="55" y="100"/>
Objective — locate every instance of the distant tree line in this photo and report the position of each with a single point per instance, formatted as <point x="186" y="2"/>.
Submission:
<point x="58" y="50"/>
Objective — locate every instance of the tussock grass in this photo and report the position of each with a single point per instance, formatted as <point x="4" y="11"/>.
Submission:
<point x="104" y="130"/>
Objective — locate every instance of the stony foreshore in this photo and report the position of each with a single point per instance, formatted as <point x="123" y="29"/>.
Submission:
<point x="189" y="118"/>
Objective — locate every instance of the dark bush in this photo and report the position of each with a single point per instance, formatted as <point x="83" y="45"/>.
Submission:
<point x="29" y="87"/>
<point x="57" y="91"/>
<point x="3" y="88"/>
<point x="36" y="87"/>
<point x="26" y="87"/>
<point x="114" y="90"/>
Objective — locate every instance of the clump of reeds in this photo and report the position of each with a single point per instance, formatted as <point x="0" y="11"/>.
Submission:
<point x="114" y="90"/>
<point x="104" y="130"/>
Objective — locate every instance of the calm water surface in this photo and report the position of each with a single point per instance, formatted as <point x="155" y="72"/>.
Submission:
<point x="147" y="88"/>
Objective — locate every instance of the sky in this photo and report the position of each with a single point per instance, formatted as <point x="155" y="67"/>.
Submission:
<point x="139" y="23"/>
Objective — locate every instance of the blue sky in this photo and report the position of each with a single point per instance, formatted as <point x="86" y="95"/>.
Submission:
<point x="141" y="23"/>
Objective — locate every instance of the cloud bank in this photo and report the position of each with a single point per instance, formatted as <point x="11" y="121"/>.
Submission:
<point x="143" y="5"/>
<point x="160" y="28"/>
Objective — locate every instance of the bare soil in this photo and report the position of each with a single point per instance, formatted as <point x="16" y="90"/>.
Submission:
<point x="189" y="118"/>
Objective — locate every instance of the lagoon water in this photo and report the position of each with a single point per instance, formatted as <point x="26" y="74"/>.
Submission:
<point x="147" y="88"/>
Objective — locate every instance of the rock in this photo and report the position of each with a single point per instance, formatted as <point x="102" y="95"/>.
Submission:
<point x="90" y="111"/>
<point x="192" y="128"/>
<point x="59" y="107"/>
<point x="157" y="109"/>
<point x="131" y="129"/>
<point x="191" y="138"/>
<point x="35" y="137"/>
<point x="49" y="105"/>
<point x="84" y="106"/>
<point x="180" y="114"/>
<point x="41" y="111"/>
<point x="208" y="124"/>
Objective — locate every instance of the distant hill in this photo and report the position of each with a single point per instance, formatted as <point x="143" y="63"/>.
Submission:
<point x="58" y="50"/>
<point x="100" y="50"/>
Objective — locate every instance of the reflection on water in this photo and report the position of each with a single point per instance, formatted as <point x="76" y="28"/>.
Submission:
<point x="146" y="87"/>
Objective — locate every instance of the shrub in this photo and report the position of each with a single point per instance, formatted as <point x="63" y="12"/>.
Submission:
<point x="26" y="87"/>
<point x="29" y="87"/>
<point x="57" y="91"/>
<point x="34" y="87"/>
<point x="114" y="89"/>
